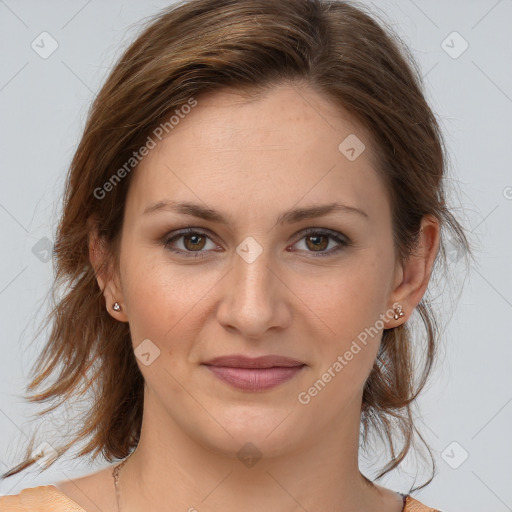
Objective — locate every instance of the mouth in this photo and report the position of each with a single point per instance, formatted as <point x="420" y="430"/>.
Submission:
<point x="254" y="374"/>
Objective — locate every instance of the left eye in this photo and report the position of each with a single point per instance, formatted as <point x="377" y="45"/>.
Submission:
<point x="317" y="241"/>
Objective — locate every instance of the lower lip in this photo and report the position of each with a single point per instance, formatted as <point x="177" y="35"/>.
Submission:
<point x="254" y="379"/>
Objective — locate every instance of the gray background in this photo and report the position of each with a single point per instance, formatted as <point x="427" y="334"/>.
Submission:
<point x="466" y="410"/>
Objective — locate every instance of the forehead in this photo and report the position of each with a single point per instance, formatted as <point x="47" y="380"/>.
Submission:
<point x="282" y="116"/>
<point x="283" y="144"/>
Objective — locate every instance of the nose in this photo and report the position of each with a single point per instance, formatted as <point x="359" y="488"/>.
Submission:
<point x="255" y="297"/>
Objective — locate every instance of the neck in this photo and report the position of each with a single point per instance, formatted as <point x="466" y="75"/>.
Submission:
<point x="171" y="465"/>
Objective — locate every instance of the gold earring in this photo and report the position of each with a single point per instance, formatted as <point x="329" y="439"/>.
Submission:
<point x="398" y="313"/>
<point x="116" y="306"/>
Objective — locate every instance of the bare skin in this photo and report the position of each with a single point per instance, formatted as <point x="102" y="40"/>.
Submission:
<point x="252" y="161"/>
<point x="96" y="493"/>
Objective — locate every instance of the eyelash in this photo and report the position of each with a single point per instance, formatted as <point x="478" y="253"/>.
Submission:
<point x="341" y="239"/>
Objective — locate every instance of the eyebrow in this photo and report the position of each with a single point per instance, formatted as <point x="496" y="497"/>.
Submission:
<point x="291" y="216"/>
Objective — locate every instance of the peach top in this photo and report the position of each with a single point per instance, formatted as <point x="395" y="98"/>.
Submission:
<point x="47" y="498"/>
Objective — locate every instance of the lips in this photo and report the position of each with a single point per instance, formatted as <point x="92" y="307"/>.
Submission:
<point x="240" y="361"/>
<point x="254" y="374"/>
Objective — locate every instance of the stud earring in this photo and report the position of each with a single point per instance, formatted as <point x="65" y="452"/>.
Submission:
<point x="116" y="306"/>
<point x="398" y="313"/>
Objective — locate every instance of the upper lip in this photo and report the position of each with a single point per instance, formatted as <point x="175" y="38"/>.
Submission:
<point x="240" y="361"/>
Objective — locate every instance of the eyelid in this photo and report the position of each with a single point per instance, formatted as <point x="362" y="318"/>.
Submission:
<point x="177" y="234"/>
<point x="325" y="231"/>
<point x="342" y="240"/>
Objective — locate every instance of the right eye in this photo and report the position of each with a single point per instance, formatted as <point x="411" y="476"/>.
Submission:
<point x="192" y="242"/>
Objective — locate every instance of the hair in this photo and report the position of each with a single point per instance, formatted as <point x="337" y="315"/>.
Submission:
<point x="196" y="47"/>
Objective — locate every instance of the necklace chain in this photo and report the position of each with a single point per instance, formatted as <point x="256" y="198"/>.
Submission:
<point x="115" y="475"/>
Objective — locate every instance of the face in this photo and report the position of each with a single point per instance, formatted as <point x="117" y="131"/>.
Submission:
<point x="251" y="278"/>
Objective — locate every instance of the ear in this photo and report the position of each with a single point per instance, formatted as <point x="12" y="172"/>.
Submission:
<point x="106" y="276"/>
<point x="414" y="274"/>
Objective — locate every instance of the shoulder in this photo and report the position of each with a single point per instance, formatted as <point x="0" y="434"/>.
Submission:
<point x="412" y="505"/>
<point x="45" y="498"/>
<point x="94" y="492"/>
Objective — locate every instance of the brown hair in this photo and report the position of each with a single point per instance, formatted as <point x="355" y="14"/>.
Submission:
<point x="196" y="47"/>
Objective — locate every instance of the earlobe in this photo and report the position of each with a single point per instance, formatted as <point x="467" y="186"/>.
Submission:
<point x="118" y="310"/>
<point x="397" y="311"/>
<point x="416" y="272"/>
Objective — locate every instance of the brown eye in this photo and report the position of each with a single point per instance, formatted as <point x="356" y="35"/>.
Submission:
<point x="190" y="243"/>
<point x="322" y="242"/>
<point x="194" y="242"/>
<point x="317" y="242"/>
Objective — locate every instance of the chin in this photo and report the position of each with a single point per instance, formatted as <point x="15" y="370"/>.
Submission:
<point x="254" y="428"/>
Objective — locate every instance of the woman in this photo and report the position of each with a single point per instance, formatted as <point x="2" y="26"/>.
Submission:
<point x="251" y="218"/>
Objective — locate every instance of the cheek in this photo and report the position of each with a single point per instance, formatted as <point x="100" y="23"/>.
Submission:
<point x="352" y="308"/>
<point x="165" y="302"/>
<point x="166" y="308"/>
<point x="352" y="298"/>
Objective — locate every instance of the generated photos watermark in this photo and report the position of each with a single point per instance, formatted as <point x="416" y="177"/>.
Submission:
<point x="159" y="133"/>
<point x="304" y="397"/>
